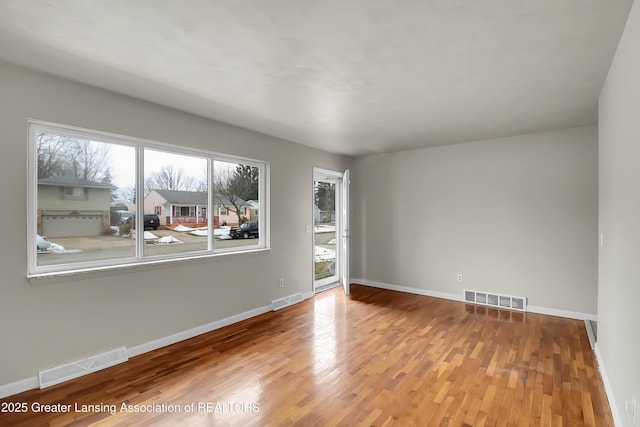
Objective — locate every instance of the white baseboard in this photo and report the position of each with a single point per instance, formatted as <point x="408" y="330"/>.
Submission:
<point x="454" y="297"/>
<point x="409" y="290"/>
<point x="194" y="332"/>
<point x="591" y="334"/>
<point x="617" y="419"/>
<point x="33" y="382"/>
<point x="19" y="386"/>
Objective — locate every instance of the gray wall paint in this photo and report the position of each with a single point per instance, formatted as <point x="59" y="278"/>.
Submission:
<point x="55" y="322"/>
<point x="619" y="262"/>
<point x="515" y="215"/>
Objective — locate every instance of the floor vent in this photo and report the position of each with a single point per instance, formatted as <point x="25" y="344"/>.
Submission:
<point x="82" y="367"/>
<point x="286" y="301"/>
<point x="496" y="300"/>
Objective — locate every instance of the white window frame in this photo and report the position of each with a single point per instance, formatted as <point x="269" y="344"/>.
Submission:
<point x="140" y="259"/>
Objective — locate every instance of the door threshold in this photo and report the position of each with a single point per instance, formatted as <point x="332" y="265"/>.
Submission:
<point x="327" y="287"/>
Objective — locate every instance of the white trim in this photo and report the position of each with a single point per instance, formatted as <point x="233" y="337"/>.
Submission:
<point x="334" y="177"/>
<point x="327" y="287"/>
<point x="19" y="386"/>
<point x="198" y="330"/>
<point x="591" y="334"/>
<point x="408" y="290"/>
<point x="562" y="313"/>
<point x="617" y="419"/>
<point x="36" y="278"/>
<point x="327" y="174"/>
<point x="33" y="382"/>
<point x="140" y="146"/>
<point x="455" y="297"/>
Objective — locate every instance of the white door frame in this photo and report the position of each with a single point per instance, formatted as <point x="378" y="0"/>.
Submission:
<point x="345" y="233"/>
<point x="342" y="247"/>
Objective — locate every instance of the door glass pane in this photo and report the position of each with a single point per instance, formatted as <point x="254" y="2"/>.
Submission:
<point x="84" y="191"/>
<point x="325" y="229"/>
<point x="176" y="185"/>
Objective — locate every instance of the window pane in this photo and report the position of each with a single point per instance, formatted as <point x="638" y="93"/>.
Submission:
<point x="82" y="201"/>
<point x="176" y="185"/>
<point x="325" y="229"/>
<point x="84" y="192"/>
<point x="236" y="204"/>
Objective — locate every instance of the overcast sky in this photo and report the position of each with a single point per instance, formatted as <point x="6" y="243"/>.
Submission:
<point x="123" y="164"/>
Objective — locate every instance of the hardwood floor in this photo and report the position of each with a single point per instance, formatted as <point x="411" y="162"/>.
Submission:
<point x="377" y="358"/>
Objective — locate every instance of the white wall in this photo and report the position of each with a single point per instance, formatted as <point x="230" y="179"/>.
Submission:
<point x="619" y="257"/>
<point x="49" y="323"/>
<point x="515" y="215"/>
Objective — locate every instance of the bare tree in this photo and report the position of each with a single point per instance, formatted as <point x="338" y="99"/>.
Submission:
<point x="62" y="155"/>
<point x="127" y="193"/>
<point x="170" y="178"/>
<point x="87" y="159"/>
<point x="325" y="200"/>
<point x="225" y="191"/>
<point x="51" y="154"/>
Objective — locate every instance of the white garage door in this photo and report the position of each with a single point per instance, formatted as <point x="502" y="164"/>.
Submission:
<point x="67" y="226"/>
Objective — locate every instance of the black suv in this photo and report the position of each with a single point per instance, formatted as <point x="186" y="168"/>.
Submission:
<point x="245" y="231"/>
<point x="151" y="222"/>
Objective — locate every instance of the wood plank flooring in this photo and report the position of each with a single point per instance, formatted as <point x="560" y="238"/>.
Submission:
<point x="376" y="358"/>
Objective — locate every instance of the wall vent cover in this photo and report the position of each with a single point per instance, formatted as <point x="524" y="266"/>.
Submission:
<point x="82" y="367"/>
<point x="277" y="304"/>
<point x="496" y="300"/>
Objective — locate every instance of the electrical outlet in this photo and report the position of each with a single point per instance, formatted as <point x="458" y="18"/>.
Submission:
<point x="281" y="283"/>
<point x="631" y="407"/>
<point x="459" y="277"/>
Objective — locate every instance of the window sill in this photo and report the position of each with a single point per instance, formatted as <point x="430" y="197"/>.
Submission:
<point x="43" y="278"/>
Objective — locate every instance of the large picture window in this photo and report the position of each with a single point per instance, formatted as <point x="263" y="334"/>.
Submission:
<point x="87" y="188"/>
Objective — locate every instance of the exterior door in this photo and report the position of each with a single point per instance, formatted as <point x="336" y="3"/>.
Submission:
<point x="330" y="225"/>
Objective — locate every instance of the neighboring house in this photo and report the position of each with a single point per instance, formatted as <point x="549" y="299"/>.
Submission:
<point x="225" y="211"/>
<point x="253" y="211"/>
<point x="190" y="207"/>
<point x="70" y="206"/>
<point x="177" y="207"/>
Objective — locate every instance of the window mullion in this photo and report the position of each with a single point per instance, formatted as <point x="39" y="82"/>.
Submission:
<point x="210" y="203"/>
<point x="139" y="231"/>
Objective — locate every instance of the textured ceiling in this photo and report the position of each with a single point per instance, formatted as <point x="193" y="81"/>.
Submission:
<point x="349" y="76"/>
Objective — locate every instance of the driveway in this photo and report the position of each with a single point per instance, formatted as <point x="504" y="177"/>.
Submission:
<point x="92" y="248"/>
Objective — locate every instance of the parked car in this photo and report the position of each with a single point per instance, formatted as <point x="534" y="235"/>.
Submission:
<point x="42" y="243"/>
<point x="245" y="231"/>
<point x="151" y="222"/>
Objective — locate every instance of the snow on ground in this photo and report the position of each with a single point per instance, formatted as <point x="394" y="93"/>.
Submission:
<point x="324" y="254"/>
<point x="182" y="228"/>
<point x="221" y="233"/>
<point x="149" y="235"/>
<point x="59" y="249"/>
<point x="167" y="240"/>
<point x="325" y="229"/>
